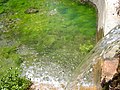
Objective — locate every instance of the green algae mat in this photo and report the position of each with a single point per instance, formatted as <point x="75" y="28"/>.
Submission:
<point x="62" y="30"/>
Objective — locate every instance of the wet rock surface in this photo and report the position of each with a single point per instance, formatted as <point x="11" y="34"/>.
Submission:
<point x="109" y="68"/>
<point x="101" y="65"/>
<point x="43" y="86"/>
<point x="114" y="83"/>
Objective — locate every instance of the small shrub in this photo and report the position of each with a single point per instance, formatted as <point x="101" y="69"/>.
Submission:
<point x="12" y="81"/>
<point x="86" y="47"/>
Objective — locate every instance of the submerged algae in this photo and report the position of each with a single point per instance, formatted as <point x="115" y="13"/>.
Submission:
<point x="54" y="34"/>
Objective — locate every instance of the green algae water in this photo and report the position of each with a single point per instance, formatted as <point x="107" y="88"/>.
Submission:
<point x="47" y="44"/>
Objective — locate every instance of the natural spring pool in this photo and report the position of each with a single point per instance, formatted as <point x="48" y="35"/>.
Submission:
<point x="47" y="45"/>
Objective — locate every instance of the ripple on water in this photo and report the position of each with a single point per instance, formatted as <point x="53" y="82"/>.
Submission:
<point x="46" y="73"/>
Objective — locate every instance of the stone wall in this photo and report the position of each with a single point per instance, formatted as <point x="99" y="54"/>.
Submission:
<point x="108" y="16"/>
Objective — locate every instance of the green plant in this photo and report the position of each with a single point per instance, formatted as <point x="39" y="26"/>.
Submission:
<point x="12" y="81"/>
<point x="86" y="47"/>
<point x="57" y="35"/>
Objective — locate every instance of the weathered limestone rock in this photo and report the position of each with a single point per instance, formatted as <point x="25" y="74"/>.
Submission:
<point x="108" y="15"/>
<point x="109" y="68"/>
<point x="111" y="73"/>
<point x="102" y="66"/>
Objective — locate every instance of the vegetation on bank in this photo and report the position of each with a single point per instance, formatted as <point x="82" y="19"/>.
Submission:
<point x="53" y="27"/>
<point x="12" y="81"/>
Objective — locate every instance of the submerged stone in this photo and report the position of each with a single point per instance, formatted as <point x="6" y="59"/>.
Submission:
<point x="31" y="10"/>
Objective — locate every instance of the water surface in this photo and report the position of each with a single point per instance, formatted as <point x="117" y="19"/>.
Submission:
<point x="50" y="44"/>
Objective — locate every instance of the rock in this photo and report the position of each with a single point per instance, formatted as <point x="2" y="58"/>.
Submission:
<point x="42" y="86"/>
<point x="118" y="87"/>
<point x="31" y="10"/>
<point x="114" y="82"/>
<point x="53" y="12"/>
<point x="84" y="1"/>
<point x="109" y="68"/>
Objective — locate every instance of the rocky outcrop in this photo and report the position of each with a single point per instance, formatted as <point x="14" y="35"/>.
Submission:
<point x="108" y="17"/>
<point x="113" y="83"/>
<point x="102" y="65"/>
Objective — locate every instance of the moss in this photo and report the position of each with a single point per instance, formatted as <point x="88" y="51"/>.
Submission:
<point x="59" y="27"/>
<point x="12" y="81"/>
